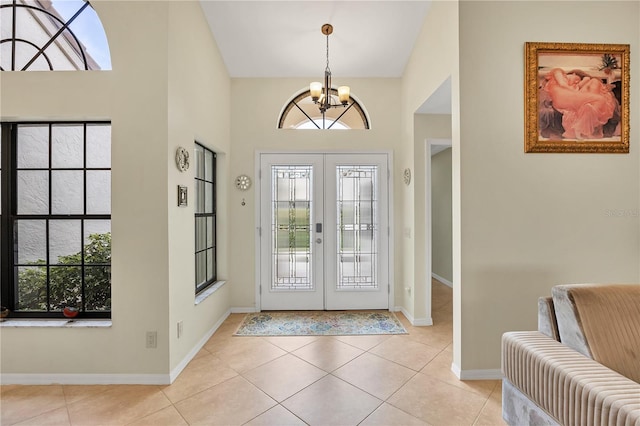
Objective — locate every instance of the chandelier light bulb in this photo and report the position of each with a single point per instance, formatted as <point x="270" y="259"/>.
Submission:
<point x="343" y="94"/>
<point x="316" y="89"/>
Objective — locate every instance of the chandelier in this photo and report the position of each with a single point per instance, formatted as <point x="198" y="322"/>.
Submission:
<point x="322" y="96"/>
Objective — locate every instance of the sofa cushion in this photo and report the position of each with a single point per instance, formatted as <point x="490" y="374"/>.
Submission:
<point x="602" y="322"/>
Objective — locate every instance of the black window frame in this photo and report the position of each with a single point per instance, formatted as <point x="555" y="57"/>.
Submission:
<point x="200" y="214"/>
<point x="10" y="218"/>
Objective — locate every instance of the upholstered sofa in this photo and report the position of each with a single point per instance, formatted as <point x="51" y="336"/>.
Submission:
<point x="582" y="366"/>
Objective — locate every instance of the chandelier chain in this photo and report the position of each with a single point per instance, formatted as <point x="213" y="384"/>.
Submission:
<point x="328" y="69"/>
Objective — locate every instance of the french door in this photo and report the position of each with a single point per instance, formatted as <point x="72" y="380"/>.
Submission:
<point x="324" y="232"/>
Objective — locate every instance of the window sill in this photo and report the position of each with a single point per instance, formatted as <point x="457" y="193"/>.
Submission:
<point x="204" y="294"/>
<point x="47" y="323"/>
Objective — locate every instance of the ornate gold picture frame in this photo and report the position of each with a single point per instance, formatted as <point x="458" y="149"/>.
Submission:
<point x="576" y="97"/>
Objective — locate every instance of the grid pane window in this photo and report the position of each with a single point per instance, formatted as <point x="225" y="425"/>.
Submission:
<point x="205" y="217"/>
<point x="57" y="210"/>
<point x="37" y="35"/>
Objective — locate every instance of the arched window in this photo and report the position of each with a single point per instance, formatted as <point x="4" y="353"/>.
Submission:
<point x="302" y="113"/>
<point x="37" y="35"/>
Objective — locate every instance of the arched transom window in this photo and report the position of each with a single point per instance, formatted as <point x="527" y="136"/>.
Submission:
<point x="302" y="113"/>
<point x="39" y="35"/>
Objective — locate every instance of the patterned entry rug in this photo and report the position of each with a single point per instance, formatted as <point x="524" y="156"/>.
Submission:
<point x="320" y="323"/>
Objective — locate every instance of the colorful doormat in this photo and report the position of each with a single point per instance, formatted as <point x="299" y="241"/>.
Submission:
<point x="320" y="323"/>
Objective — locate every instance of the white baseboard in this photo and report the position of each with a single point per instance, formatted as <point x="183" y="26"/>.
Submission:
<point x="442" y="280"/>
<point x="85" y="379"/>
<point x="416" y="322"/>
<point x="112" y="379"/>
<point x="422" y="322"/>
<point x="241" y="310"/>
<point x="193" y="352"/>
<point x="487" y="374"/>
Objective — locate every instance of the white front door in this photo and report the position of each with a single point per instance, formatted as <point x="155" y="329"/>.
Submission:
<point x="324" y="233"/>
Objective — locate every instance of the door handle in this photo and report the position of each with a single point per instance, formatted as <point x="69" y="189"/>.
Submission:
<point x="318" y="240"/>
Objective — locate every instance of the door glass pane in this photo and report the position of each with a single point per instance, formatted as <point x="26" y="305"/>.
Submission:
<point x="357" y="212"/>
<point x="291" y="227"/>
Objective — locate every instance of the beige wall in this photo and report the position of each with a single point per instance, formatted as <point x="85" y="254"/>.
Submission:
<point x="521" y="223"/>
<point x="255" y="106"/>
<point x="199" y="110"/>
<point x="437" y="43"/>
<point x="441" y="236"/>
<point x="426" y="127"/>
<point x="530" y="221"/>
<point x="153" y="108"/>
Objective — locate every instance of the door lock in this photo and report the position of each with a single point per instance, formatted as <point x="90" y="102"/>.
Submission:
<point x="318" y="240"/>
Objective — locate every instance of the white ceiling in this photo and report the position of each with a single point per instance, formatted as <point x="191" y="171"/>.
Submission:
<point x="283" y="39"/>
<point x="439" y="102"/>
<point x="274" y="39"/>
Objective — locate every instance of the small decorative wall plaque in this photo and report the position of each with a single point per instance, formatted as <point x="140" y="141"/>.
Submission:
<point x="243" y="182"/>
<point x="182" y="159"/>
<point x="407" y="176"/>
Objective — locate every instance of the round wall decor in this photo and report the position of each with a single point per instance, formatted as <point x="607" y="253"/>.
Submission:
<point x="243" y="182"/>
<point x="407" y="176"/>
<point x="182" y="159"/>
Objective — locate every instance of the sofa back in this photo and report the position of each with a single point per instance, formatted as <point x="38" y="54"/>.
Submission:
<point x="547" y="323"/>
<point x="601" y="322"/>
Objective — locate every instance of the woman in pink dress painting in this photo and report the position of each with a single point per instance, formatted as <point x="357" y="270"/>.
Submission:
<point x="586" y="103"/>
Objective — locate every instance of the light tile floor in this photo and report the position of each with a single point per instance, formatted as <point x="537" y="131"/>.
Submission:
<point x="343" y="380"/>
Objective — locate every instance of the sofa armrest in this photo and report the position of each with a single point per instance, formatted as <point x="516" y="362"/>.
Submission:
<point x="571" y="388"/>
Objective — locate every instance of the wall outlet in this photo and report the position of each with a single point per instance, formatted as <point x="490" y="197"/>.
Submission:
<point x="180" y="329"/>
<point x="152" y="339"/>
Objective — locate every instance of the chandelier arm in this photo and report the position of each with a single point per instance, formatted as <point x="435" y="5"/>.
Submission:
<point x="306" y="115"/>
<point x="340" y="116"/>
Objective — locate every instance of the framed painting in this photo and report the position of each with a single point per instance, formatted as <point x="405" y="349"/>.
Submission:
<point x="576" y="97"/>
